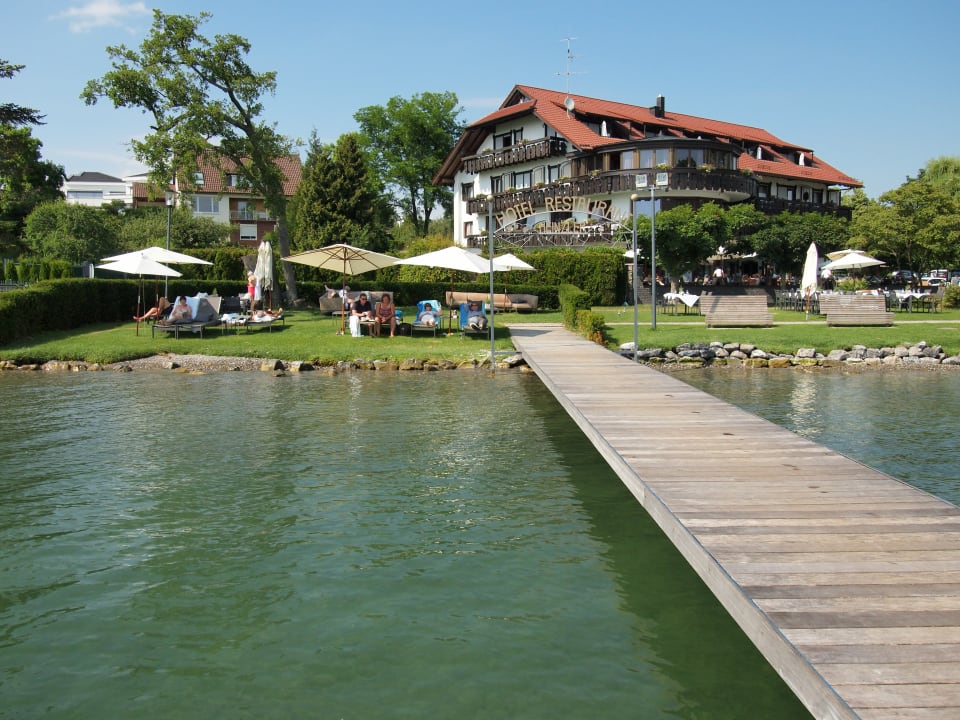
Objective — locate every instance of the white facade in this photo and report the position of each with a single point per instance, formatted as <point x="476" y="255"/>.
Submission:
<point x="95" y="189"/>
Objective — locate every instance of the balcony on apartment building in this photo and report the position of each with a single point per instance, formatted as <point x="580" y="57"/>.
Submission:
<point x="526" y="151"/>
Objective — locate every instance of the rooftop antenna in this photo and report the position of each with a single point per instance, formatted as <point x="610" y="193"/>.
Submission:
<point x="568" y="102"/>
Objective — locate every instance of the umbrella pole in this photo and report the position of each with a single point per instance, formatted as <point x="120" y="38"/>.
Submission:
<point x="139" y="295"/>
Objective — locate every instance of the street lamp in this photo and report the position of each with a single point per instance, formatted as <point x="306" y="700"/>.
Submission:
<point x="636" y="340"/>
<point x="169" y="198"/>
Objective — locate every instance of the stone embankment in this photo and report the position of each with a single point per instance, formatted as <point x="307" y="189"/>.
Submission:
<point x="214" y="363"/>
<point x="745" y="355"/>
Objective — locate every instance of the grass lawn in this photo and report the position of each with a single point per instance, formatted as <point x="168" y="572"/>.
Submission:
<point x="311" y="336"/>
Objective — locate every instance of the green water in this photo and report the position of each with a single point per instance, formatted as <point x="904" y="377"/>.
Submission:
<point x="417" y="545"/>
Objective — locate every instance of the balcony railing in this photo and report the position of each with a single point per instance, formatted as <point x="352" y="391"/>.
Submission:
<point x="250" y="216"/>
<point x="773" y="206"/>
<point x="697" y="179"/>
<point x="526" y="152"/>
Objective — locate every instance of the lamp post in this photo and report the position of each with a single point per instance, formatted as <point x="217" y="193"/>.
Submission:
<point x="653" y="260"/>
<point x="636" y="321"/>
<point x="661" y="182"/>
<point x="493" y="343"/>
<point x="169" y="198"/>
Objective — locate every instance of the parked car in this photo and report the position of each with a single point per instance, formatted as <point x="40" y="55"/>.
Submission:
<point x="934" y="278"/>
<point x="901" y="278"/>
<point x="955" y="277"/>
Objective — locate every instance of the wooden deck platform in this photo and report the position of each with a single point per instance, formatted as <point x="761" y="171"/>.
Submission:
<point x="846" y="579"/>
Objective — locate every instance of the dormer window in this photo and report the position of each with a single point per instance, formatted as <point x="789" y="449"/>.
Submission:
<point x="233" y="180"/>
<point x="198" y="179"/>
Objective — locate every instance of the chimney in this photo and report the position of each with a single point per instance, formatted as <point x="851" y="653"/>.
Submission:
<point x="660" y="109"/>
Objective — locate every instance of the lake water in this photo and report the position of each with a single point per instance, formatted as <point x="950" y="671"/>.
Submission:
<point x="376" y="545"/>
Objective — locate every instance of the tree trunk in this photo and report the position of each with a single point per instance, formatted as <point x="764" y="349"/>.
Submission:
<point x="283" y="242"/>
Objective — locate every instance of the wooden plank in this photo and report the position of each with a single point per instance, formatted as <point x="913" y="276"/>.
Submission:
<point x="846" y="579"/>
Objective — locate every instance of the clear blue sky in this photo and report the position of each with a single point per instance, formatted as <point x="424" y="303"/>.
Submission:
<point x="869" y="85"/>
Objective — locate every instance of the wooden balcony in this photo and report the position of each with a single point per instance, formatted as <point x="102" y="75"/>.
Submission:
<point x="686" y="182"/>
<point x="774" y="206"/>
<point x="515" y="154"/>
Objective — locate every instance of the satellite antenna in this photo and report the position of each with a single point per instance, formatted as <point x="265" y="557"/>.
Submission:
<point x="568" y="102"/>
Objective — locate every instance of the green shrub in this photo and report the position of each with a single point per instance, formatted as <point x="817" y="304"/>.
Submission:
<point x="951" y="296"/>
<point x="591" y="325"/>
<point x="572" y="299"/>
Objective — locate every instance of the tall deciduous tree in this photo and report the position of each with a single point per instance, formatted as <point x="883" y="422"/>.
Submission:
<point x="409" y="140"/>
<point x="338" y="199"/>
<point x="686" y="237"/>
<point x="205" y="101"/>
<point x="943" y="173"/>
<point x="25" y="178"/>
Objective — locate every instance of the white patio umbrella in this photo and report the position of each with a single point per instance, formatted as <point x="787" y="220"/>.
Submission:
<point x="349" y="260"/>
<point x="161" y="255"/>
<point x="450" y="258"/>
<point x="808" y="281"/>
<point x="138" y="264"/>
<point x="853" y="260"/>
<point x="509" y="261"/>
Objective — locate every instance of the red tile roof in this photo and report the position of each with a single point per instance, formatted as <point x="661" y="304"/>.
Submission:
<point x="214" y="178"/>
<point x="548" y="105"/>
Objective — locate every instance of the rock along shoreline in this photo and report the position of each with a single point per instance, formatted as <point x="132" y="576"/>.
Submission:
<point x="685" y="356"/>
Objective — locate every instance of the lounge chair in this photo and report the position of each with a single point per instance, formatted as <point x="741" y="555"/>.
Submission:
<point x="465" y="327"/>
<point x="206" y="313"/>
<point x="437" y="311"/>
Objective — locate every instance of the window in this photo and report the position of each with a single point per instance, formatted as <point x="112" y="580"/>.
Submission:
<point x="522" y="180"/>
<point x="662" y="156"/>
<point x="646" y="158"/>
<point x="818" y="197"/>
<point x="496" y="184"/>
<point x="628" y="160"/>
<point x="206" y="205"/>
<point x="248" y="233"/>
<point x="466" y="191"/>
<point x="688" y="157"/>
<point x="468" y="228"/>
<point x="85" y="194"/>
<point x="234" y="180"/>
<point x="245" y="210"/>
<point x="786" y="192"/>
<point x="198" y="179"/>
<point x="763" y="190"/>
<point x="511" y="137"/>
<point x="553" y="173"/>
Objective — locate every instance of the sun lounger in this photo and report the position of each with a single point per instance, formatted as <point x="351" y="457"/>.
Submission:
<point x="206" y="313"/>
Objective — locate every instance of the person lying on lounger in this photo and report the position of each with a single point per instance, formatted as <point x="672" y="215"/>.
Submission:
<point x="156" y="311"/>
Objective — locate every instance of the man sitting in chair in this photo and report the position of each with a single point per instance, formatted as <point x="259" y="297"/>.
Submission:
<point x="476" y="320"/>
<point x="428" y="316"/>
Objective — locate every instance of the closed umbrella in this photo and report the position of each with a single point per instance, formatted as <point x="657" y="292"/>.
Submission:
<point x="264" y="272"/>
<point x="808" y="281"/>
<point x="139" y="264"/>
<point x="349" y="260"/>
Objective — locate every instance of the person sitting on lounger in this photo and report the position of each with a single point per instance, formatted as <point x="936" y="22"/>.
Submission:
<point x="157" y="311"/>
<point x="181" y="312"/>
<point x="476" y="320"/>
<point x="386" y="315"/>
<point x="428" y="316"/>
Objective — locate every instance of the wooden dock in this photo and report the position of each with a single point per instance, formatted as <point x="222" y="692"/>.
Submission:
<point x="846" y="579"/>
